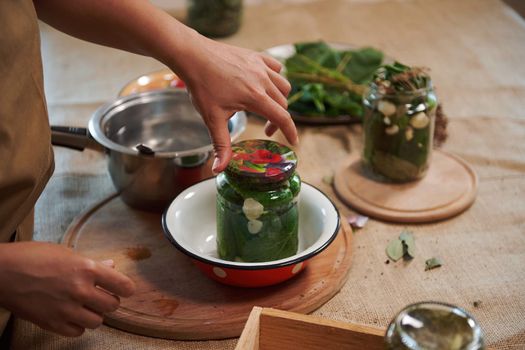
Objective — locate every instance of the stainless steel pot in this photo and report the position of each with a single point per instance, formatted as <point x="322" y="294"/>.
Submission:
<point x="156" y="142"/>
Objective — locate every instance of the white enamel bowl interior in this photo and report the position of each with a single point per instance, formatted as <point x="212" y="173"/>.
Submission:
<point x="190" y="220"/>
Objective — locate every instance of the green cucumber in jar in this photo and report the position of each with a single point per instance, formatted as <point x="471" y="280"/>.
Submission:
<point x="276" y="240"/>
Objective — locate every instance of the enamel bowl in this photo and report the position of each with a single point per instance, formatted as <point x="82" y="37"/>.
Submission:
<point x="190" y="225"/>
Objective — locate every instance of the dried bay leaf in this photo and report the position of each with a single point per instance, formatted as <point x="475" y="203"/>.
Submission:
<point x="395" y="250"/>
<point x="403" y="246"/>
<point x="408" y="243"/>
<point x="328" y="179"/>
<point x="432" y="263"/>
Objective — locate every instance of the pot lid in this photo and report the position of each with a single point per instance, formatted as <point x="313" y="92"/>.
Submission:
<point x="261" y="161"/>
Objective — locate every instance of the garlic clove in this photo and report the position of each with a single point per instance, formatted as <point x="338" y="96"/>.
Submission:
<point x="420" y="120"/>
<point x="252" y="209"/>
<point x="392" y="130"/>
<point x="409" y="133"/>
<point x="254" y="226"/>
<point x="387" y="108"/>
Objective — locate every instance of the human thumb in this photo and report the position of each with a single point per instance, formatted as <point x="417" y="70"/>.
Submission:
<point x="221" y="145"/>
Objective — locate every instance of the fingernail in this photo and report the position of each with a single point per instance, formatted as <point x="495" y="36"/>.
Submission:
<point x="108" y="262"/>
<point x="296" y="141"/>
<point x="269" y="130"/>
<point x="215" y="166"/>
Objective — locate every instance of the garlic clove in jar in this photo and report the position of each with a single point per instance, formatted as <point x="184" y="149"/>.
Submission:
<point x="255" y="226"/>
<point x="252" y="209"/>
<point x="420" y="120"/>
<point x="392" y="130"/>
<point x="409" y="133"/>
<point x="387" y="108"/>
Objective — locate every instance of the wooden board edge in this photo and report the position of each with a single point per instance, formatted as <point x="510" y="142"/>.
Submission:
<point x="455" y="209"/>
<point x="312" y="319"/>
<point x="282" y="329"/>
<point x="329" y="293"/>
<point x="68" y="239"/>
<point x="120" y="319"/>
<point x="178" y="331"/>
<point x="249" y="339"/>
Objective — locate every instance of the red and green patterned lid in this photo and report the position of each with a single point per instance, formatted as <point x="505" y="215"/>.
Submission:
<point x="261" y="161"/>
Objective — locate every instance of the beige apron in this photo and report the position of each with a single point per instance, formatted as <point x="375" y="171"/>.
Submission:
<point x="26" y="157"/>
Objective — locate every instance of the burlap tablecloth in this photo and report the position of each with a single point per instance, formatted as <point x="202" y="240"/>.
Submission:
<point x="476" y="50"/>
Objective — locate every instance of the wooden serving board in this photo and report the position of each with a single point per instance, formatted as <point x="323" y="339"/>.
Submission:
<point x="271" y="329"/>
<point x="448" y="189"/>
<point x="173" y="299"/>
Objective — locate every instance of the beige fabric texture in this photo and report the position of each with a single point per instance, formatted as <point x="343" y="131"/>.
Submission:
<point x="476" y="51"/>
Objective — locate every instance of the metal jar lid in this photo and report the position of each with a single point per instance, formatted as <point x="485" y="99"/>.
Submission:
<point x="261" y="162"/>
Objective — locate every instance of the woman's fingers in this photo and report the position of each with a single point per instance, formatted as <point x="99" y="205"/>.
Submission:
<point x="218" y="126"/>
<point x="84" y="318"/>
<point x="114" y="281"/>
<point x="102" y="302"/>
<point x="277" y="96"/>
<point x="272" y="63"/>
<point x="63" y="328"/>
<point x="270" y="128"/>
<point x="69" y="330"/>
<point x="282" y="84"/>
<point x="278" y="115"/>
<point x="278" y="92"/>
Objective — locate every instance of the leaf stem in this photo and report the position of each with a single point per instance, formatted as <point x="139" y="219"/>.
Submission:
<point x="344" y="61"/>
<point x="347" y="84"/>
<point x="295" y="97"/>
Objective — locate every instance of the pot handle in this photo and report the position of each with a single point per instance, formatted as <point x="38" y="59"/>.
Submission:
<point x="73" y="137"/>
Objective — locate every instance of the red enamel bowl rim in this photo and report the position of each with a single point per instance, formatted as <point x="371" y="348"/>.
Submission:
<point x="225" y="264"/>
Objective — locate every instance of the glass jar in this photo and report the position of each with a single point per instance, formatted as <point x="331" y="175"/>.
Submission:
<point x="215" y="18"/>
<point x="398" y="133"/>
<point x="257" y="214"/>
<point x="433" y="326"/>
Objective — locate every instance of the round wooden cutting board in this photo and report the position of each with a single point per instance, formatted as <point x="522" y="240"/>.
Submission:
<point x="174" y="299"/>
<point x="449" y="188"/>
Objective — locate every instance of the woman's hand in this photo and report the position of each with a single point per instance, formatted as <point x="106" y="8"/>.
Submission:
<point x="224" y="79"/>
<point x="57" y="289"/>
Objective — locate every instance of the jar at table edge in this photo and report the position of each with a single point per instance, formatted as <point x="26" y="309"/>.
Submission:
<point x="215" y="18"/>
<point x="257" y="213"/>
<point x="433" y="326"/>
<point x="398" y="133"/>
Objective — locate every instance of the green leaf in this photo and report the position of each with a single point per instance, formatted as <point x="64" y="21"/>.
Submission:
<point x="319" y="52"/>
<point x="329" y="82"/>
<point x="409" y="243"/>
<point x="278" y="238"/>
<point x="363" y="64"/>
<point x="432" y="263"/>
<point x="395" y="250"/>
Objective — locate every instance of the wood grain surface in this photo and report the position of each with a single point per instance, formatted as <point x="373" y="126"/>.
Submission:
<point x="173" y="299"/>
<point x="449" y="188"/>
<point x="270" y="329"/>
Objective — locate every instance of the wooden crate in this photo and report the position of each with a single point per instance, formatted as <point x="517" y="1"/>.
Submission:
<point x="275" y="329"/>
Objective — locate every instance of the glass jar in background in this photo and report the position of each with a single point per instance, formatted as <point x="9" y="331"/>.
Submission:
<point x="400" y="109"/>
<point x="257" y="214"/>
<point x="433" y="326"/>
<point x="215" y="18"/>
